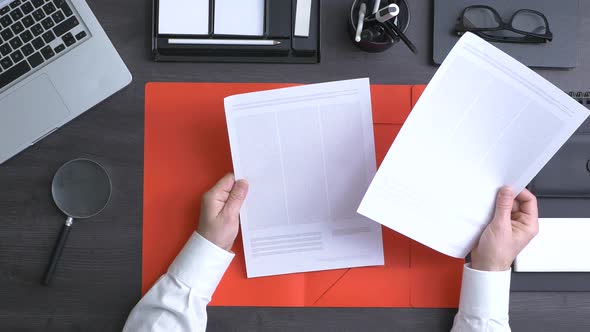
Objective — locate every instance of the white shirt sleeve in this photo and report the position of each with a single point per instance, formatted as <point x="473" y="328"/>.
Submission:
<point x="485" y="297"/>
<point x="178" y="300"/>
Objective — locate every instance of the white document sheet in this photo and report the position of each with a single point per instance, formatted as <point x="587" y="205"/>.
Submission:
<point x="561" y="246"/>
<point x="183" y="17"/>
<point x="308" y="153"/>
<point x="485" y="120"/>
<point x="243" y="17"/>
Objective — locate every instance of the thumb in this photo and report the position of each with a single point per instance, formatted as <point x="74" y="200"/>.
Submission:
<point x="236" y="198"/>
<point x="504" y="202"/>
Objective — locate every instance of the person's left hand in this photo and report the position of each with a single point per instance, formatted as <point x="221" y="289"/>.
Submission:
<point x="220" y="211"/>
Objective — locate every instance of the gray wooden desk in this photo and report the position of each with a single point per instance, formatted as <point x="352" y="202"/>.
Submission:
<point x="99" y="277"/>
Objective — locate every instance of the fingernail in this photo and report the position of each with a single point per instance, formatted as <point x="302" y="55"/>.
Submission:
<point x="242" y="184"/>
<point x="506" y="191"/>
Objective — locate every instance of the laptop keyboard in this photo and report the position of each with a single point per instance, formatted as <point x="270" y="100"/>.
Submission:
<point x="34" y="32"/>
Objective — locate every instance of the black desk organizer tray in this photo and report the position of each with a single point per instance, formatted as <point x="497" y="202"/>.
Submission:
<point x="278" y="25"/>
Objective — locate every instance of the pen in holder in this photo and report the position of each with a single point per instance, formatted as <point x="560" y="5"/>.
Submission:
<point x="375" y="36"/>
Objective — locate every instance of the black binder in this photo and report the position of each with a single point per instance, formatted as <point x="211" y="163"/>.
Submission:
<point x="278" y="25"/>
<point x="567" y="174"/>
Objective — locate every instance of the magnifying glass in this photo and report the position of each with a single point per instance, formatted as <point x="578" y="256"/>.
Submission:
<point x="81" y="189"/>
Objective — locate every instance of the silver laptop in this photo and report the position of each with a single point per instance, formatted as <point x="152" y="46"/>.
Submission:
<point x="56" y="62"/>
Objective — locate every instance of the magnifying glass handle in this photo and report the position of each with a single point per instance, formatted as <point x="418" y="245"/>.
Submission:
<point x="57" y="250"/>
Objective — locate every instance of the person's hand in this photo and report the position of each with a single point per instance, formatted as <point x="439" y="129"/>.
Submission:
<point x="220" y="211"/>
<point x="514" y="225"/>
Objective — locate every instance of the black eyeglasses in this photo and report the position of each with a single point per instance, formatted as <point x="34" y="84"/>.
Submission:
<point x="525" y="25"/>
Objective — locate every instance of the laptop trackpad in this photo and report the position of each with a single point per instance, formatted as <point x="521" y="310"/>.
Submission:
<point x="29" y="113"/>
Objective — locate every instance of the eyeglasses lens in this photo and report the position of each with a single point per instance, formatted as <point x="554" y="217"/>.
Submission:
<point x="529" y="22"/>
<point x="480" y="18"/>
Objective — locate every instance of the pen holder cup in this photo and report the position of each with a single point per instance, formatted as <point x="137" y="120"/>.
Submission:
<point x="374" y="39"/>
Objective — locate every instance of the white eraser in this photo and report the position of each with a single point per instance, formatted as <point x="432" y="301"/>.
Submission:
<point x="302" y="18"/>
<point x="562" y="245"/>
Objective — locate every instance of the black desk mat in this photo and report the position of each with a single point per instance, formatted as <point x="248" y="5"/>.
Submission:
<point x="562" y="16"/>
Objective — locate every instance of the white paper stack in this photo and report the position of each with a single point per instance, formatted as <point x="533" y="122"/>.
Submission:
<point x="562" y="245"/>
<point x="183" y="17"/>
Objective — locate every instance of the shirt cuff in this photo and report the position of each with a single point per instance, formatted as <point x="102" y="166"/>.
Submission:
<point x="485" y="294"/>
<point x="200" y="265"/>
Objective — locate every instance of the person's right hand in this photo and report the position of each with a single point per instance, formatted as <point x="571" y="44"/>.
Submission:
<point x="515" y="224"/>
<point x="220" y="211"/>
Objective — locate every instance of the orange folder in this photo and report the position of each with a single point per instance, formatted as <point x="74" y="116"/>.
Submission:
<point x="187" y="150"/>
